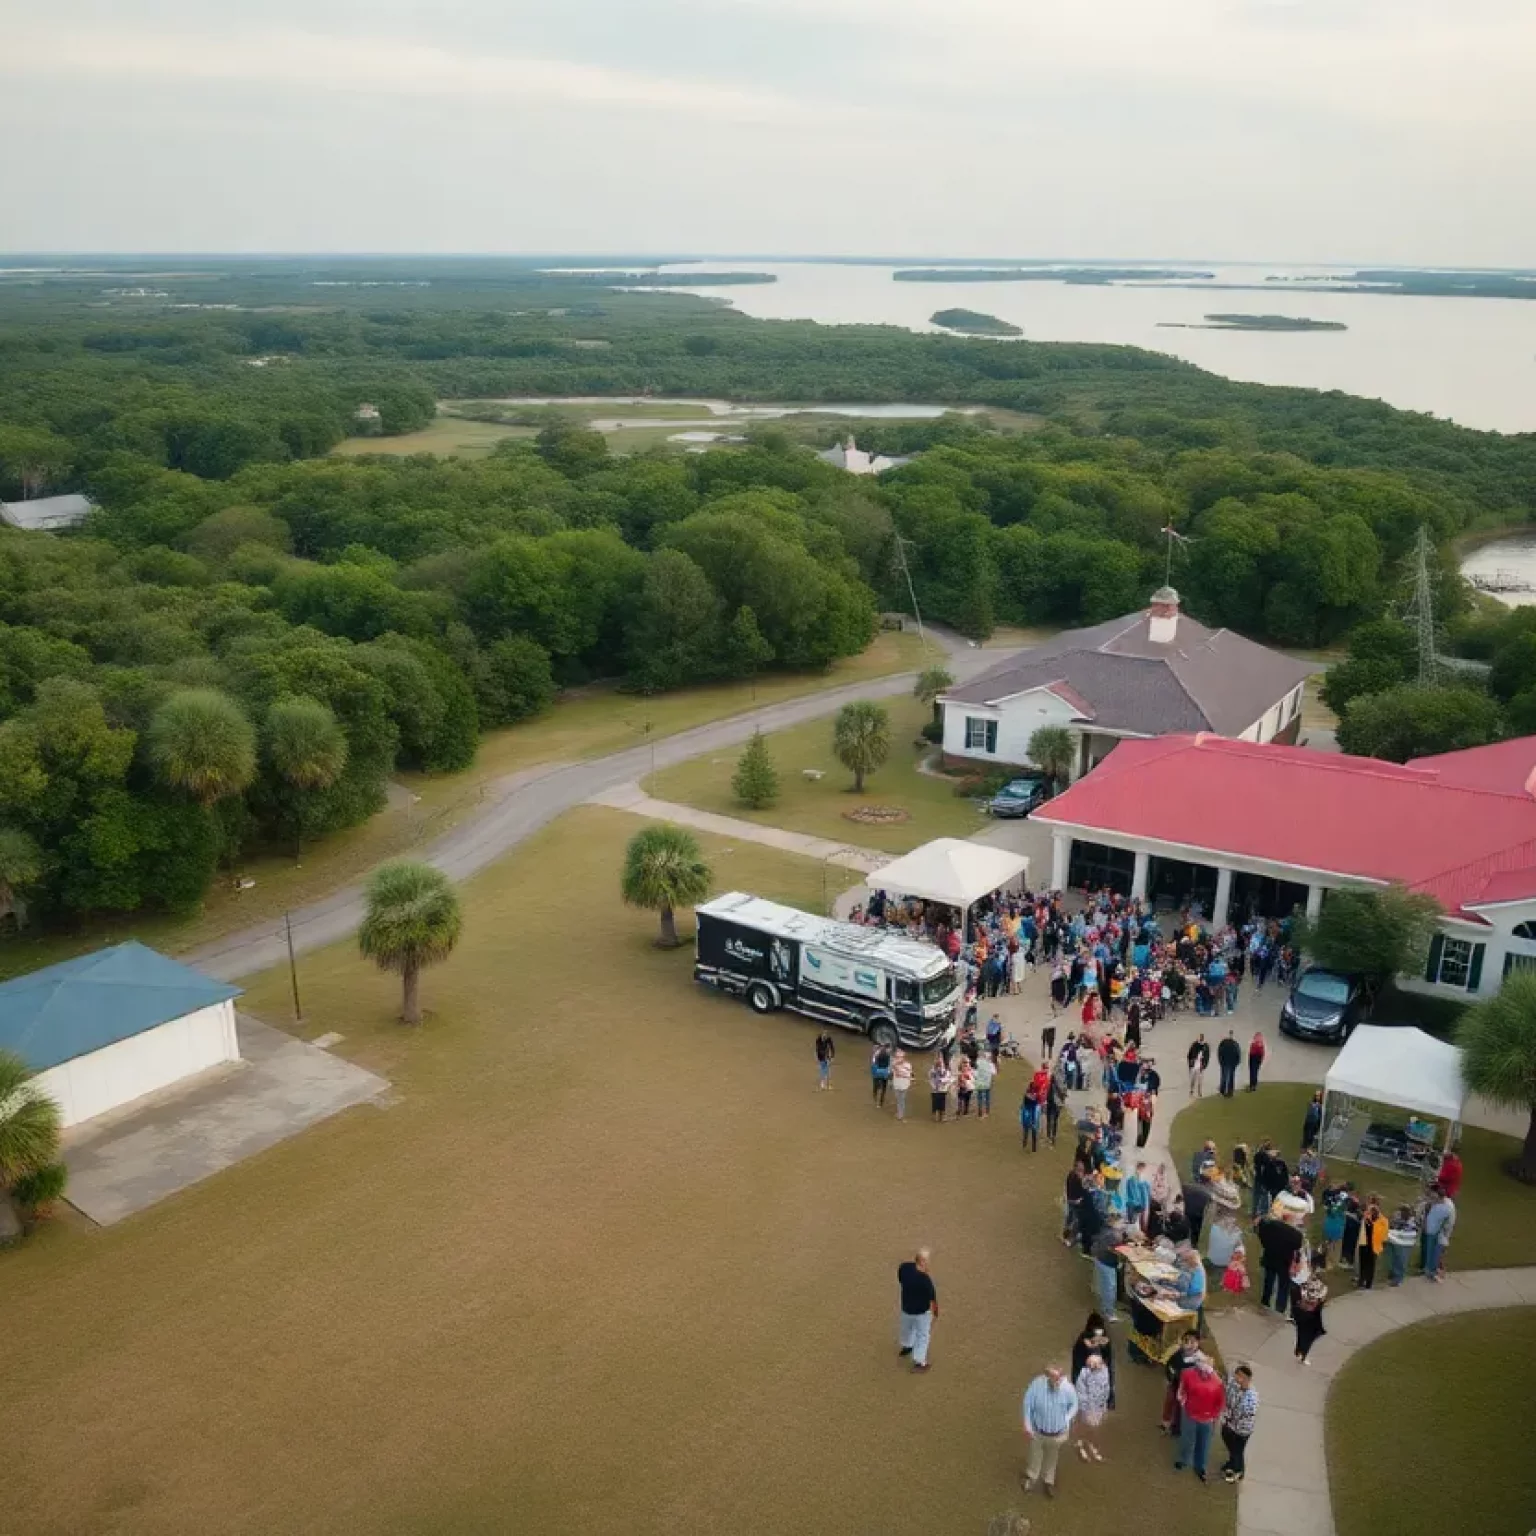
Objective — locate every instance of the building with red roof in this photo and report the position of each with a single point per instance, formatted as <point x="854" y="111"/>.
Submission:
<point x="1245" y="827"/>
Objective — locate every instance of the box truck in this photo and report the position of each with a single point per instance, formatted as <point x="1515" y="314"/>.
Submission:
<point x="884" y="985"/>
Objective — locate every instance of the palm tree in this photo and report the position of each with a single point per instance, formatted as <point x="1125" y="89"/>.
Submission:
<point x="308" y="750"/>
<point x="861" y="739"/>
<point x="201" y="742"/>
<point x="413" y="920"/>
<point x="664" y="868"/>
<point x="1052" y="750"/>
<point x="931" y="682"/>
<point x="29" y="1122"/>
<point x="1498" y="1043"/>
<point x="20" y="866"/>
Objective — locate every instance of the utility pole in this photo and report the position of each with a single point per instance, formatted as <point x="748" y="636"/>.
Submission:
<point x="293" y="969"/>
<point x="901" y="555"/>
<point x="1421" y="609"/>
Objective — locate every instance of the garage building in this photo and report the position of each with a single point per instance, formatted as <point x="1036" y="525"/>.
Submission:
<point x="108" y="1028"/>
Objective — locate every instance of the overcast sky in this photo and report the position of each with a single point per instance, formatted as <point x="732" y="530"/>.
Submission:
<point x="1296" y="130"/>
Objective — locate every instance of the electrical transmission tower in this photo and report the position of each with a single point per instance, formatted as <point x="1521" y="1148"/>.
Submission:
<point x="1421" y="608"/>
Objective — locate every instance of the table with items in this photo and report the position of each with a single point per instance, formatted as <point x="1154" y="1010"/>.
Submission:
<point x="1157" y="1320"/>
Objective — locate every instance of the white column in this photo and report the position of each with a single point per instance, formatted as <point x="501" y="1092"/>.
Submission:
<point x="1061" y="859"/>
<point x="1139" y="876"/>
<point x="1314" y="901"/>
<point x="1223" y="896"/>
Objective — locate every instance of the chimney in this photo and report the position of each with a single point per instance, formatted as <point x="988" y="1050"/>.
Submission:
<point x="1163" y="617"/>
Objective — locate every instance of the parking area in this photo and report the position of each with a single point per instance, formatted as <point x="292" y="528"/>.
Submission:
<point x="121" y="1164"/>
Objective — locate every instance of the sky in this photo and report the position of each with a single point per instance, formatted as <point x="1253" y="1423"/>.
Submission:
<point x="1264" y="130"/>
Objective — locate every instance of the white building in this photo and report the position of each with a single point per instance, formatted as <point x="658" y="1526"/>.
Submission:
<point x="45" y="514"/>
<point x="1147" y="674"/>
<point x="848" y="455"/>
<point x="110" y="1027"/>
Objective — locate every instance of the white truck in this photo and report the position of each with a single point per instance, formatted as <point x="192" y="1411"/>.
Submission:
<point x="891" y="988"/>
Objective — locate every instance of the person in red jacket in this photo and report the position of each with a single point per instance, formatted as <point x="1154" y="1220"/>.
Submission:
<point x="1202" y="1400"/>
<point x="1256" y="1050"/>
<point x="1450" y="1175"/>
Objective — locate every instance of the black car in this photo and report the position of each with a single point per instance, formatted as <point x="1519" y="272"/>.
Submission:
<point x="1324" y="1005"/>
<point x="1018" y="797"/>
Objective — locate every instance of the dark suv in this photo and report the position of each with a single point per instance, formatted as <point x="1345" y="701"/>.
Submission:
<point x="1018" y="797"/>
<point x="1324" y="1005"/>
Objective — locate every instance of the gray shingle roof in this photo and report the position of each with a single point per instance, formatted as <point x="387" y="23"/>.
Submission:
<point x="1205" y="680"/>
<point x="44" y="513"/>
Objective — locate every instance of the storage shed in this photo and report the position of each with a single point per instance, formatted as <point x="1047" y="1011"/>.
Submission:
<point x="110" y="1027"/>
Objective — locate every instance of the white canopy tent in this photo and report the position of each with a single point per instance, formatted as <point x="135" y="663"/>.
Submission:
<point x="1402" y="1067"/>
<point x="951" y="871"/>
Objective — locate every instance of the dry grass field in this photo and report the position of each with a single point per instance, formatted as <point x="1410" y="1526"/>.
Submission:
<point x="609" y="1263"/>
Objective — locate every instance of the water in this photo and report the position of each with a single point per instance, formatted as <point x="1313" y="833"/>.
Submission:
<point x="1470" y="360"/>
<point x="1513" y="557"/>
<point x="737" y="410"/>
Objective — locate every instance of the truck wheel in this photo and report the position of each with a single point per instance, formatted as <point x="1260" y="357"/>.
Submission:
<point x="762" y="997"/>
<point x="883" y="1032"/>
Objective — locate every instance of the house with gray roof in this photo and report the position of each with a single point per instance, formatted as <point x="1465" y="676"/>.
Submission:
<point x="45" y="514"/>
<point x="1151" y="673"/>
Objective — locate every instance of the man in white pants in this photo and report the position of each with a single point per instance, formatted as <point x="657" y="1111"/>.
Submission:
<point x="919" y="1307"/>
<point x="1050" y="1405"/>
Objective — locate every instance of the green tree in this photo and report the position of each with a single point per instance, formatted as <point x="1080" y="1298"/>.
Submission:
<point x="756" y="780"/>
<point x="21" y="865"/>
<point x="664" y="869"/>
<point x="202" y="743"/>
<point x="1498" y="1042"/>
<point x="412" y="921"/>
<point x="746" y="651"/>
<point x="1053" y="750"/>
<point x="674" y="637"/>
<point x="29" y="1122"/>
<point x="1382" y="654"/>
<point x="309" y="751"/>
<point x="861" y="739"/>
<point x="31" y="459"/>
<point x="1378" y="934"/>
<point x="1412" y="720"/>
<point x="931" y="682"/>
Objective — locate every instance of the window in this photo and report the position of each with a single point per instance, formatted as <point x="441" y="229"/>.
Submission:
<point x="1519" y="963"/>
<point x="980" y="734"/>
<point x="1523" y="931"/>
<point x="1455" y="963"/>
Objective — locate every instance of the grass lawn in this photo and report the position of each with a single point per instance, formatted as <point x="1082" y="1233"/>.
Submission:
<point x="590" y="723"/>
<point x="1496" y="1216"/>
<point x="817" y="807"/>
<point x="1430" y="1430"/>
<point x="448" y="436"/>
<point x="607" y="1263"/>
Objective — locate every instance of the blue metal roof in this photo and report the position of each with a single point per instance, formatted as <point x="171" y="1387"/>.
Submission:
<point x="79" y="1006"/>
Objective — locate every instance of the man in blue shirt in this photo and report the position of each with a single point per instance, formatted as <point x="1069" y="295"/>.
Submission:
<point x="1050" y="1405"/>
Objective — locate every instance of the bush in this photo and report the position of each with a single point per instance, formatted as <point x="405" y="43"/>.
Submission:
<point x="34" y="1192"/>
<point x="934" y="732"/>
<point x="756" y="781"/>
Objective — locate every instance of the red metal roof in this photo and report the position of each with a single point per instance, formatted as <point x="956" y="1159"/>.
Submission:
<point x="1331" y="814"/>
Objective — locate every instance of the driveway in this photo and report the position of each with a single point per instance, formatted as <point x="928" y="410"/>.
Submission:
<point x="281" y="1086"/>
<point x="517" y="806"/>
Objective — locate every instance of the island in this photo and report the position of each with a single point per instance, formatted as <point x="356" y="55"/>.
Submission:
<point x="1045" y="275"/>
<point x="1254" y="323"/>
<point x="973" y="323"/>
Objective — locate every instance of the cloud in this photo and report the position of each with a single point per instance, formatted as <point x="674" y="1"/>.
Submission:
<point x="379" y="65"/>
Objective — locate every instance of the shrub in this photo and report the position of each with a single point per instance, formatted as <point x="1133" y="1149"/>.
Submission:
<point x="35" y="1192"/>
<point x="933" y="731"/>
<point x="756" y="781"/>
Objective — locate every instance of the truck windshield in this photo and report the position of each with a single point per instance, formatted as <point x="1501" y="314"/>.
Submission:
<point x="937" y="988"/>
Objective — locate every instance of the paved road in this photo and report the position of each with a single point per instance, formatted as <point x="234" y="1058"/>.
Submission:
<point x="517" y="806"/>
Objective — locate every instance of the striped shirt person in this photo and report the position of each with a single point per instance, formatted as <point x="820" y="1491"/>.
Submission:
<point x="1050" y="1405"/>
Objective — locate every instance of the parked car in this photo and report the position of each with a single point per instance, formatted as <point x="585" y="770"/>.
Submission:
<point x="1325" y="1005"/>
<point x="1018" y="797"/>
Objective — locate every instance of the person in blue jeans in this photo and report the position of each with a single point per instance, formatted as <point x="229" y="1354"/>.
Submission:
<point x="1106" y="1272"/>
<point x="1202" y="1401"/>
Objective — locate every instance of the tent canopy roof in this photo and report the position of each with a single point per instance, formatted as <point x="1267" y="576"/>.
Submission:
<point x="1400" y="1066"/>
<point x="949" y="870"/>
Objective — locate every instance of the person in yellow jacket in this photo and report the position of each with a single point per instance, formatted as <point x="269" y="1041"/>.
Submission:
<point x="1373" y="1238"/>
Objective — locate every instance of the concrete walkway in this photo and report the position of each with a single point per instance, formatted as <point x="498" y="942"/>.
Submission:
<point x="519" y="805"/>
<point x="630" y="797"/>
<point x="1286" y="1490"/>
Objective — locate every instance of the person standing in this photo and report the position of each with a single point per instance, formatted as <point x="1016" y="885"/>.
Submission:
<point x="1312" y="1121"/>
<point x="1076" y="1194"/>
<point x="1055" y="1098"/>
<point x="1106" y="1271"/>
<point x="1237" y="1422"/>
<point x="1373" y="1238"/>
<point x="901" y="1082"/>
<point x="1050" y="1406"/>
<point x="1197" y="1201"/>
<point x="1202" y="1400"/>
<point x="1279" y="1243"/>
<point x="1183" y="1359"/>
<point x="826" y="1050"/>
<point x="986" y="1075"/>
<point x="1198" y="1058"/>
<point x="919" y="1308"/>
<point x="1093" y="1388"/>
<point x="965" y="1086"/>
<point x="1229" y="1057"/>
<point x="1402" y="1239"/>
<point x="1449" y="1178"/>
<point x="1094" y="1340"/>
<point x="880" y="1074"/>
<point x="1137" y="1194"/>
<point x="939" y="1079"/>
<point x="1146" y="1108"/>
<point x="1439" y="1224"/>
<point x="1257" y="1050"/>
<point x="1308" y="1314"/>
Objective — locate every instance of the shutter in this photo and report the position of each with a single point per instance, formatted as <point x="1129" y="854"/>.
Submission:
<point x="1432" y="970"/>
<point x="1475" y="970"/>
<point x="991" y="735"/>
